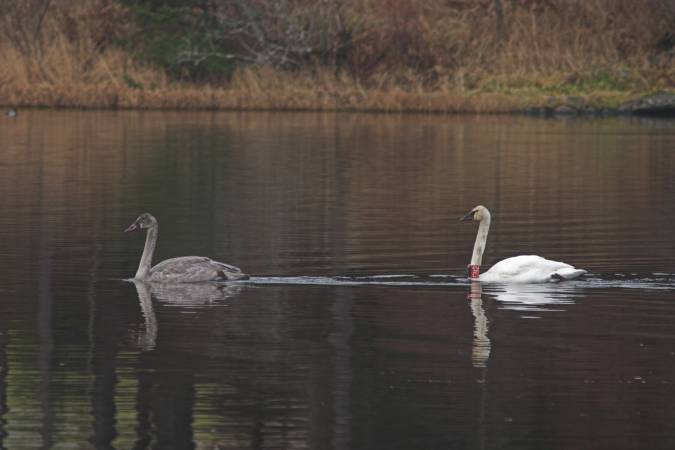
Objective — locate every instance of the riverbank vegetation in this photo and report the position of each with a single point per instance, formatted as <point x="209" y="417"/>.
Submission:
<point x="375" y="55"/>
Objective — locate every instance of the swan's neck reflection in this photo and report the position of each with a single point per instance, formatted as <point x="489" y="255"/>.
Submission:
<point x="481" y="343"/>
<point x="146" y="340"/>
<point x="182" y="294"/>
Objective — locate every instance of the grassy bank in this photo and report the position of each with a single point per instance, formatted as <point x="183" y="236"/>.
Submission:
<point x="389" y="55"/>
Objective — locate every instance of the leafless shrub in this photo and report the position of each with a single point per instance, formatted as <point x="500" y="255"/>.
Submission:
<point x="21" y="23"/>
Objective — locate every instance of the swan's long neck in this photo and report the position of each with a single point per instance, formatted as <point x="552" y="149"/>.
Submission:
<point x="481" y="239"/>
<point x="148" y="250"/>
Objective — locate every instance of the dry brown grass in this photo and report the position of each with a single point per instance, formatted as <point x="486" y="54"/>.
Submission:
<point x="406" y="55"/>
<point x="61" y="81"/>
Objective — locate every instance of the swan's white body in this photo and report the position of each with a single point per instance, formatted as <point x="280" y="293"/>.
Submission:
<point x="530" y="269"/>
<point x="185" y="269"/>
<point x="518" y="269"/>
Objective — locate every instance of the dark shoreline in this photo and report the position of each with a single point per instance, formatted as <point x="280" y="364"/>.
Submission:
<point x="657" y="105"/>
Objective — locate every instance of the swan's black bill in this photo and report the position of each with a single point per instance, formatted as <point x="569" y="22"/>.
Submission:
<point x="132" y="227"/>
<point x="467" y="216"/>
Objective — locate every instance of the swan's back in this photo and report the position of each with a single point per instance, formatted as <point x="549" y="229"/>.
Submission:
<point x="194" y="269"/>
<point x="530" y="269"/>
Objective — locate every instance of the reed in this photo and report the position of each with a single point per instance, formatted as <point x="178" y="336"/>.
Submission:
<point x="404" y="55"/>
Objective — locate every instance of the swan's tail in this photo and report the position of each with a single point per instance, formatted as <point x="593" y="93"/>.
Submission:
<point x="567" y="273"/>
<point x="232" y="275"/>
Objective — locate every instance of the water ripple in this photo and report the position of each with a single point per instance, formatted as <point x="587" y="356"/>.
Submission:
<point x="653" y="281"/>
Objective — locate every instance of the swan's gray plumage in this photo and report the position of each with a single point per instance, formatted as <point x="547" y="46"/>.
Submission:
<point x="185" y="269"/>
<point x="188" y="269"/>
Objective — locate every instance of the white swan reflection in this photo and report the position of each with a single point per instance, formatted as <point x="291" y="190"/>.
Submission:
<point x="519" y="297"/>
<point x="480" y="351"/>
<point x="533" y="297"/>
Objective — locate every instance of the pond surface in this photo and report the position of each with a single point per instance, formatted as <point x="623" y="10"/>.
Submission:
<point x="358" y="329"/>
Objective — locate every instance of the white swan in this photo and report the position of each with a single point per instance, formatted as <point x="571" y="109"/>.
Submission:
<point x="186" y="269"/>
<point x="518" y="269"/>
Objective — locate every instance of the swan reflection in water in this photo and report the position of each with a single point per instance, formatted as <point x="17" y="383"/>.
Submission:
<point x="480" y="354"/>
<point x="527" y="297"/>
<point x="518" y="297"/>
<point x="480" y="351"/>
<point x="194" y="294"/>
<point x="146" y="339"/>
<point x="533" y="297"/>
<point x="184" y="294"/>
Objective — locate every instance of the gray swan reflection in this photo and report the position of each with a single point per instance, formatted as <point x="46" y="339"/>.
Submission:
<point x="176" y="294"/>
<point x="146" y="339"/>
<point x="184" y="269"/>
<point x="193" y="294"/>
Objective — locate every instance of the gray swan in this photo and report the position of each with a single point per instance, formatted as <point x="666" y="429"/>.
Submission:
<point x="185" y="269"/>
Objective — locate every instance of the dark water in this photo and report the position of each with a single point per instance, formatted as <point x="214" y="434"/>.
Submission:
<point x="358" y="329"/>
